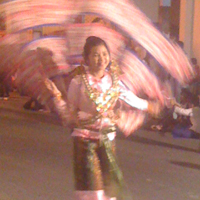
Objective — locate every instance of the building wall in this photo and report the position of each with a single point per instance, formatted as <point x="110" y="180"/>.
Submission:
<point x="150" y="8"/>
<point x="190" y="27"/>
<point x="182" y="20"/>
<point x="49" y="30"/>
<point x="196" y="31"/>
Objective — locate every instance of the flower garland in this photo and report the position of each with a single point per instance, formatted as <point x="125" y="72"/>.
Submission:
<point x="104" y="100"/>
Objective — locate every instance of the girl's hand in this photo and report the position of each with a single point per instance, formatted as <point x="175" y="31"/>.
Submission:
<point x="51" y="87"/>
<point x="127" y="96"/>
<point x="173" y="101"/>
<point x="154" y="108"/>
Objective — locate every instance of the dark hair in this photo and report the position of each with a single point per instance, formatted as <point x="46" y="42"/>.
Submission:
<point x="189" y="97"/>
<point x="181" y="44"/>
<point x="194" y="61"/>
<point x="91" y="42"/>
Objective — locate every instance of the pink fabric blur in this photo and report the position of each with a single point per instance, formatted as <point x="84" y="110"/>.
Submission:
<point x="24" y="14"/>
<point x="139" y="27"/>
<point x="51" y="52"/>
<point x="139" y="78"/>
<point x="77" y="34"/>
<point x="10" y="50"/>
<point x="129" y="22"/>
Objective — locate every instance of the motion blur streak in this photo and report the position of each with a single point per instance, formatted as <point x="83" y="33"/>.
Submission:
<point x="37" y="62"/>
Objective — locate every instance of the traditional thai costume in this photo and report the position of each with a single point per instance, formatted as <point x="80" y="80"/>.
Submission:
<point x="95" y="167"/>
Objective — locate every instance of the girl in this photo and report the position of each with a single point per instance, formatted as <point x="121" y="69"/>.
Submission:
<point x="93" y="103"/>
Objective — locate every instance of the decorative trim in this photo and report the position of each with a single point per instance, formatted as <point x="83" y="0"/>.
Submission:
<point x="104" y="101"/>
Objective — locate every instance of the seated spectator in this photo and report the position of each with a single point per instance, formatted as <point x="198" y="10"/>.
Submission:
<point x="196" y="66"/>
<point x="189" y="130"/>
<point x="182" y="129"/>
<point x="5" y="86"/>
<point x="33" y="105"/>
<point x="172" y="121"/>
<point x="195" y="85"/>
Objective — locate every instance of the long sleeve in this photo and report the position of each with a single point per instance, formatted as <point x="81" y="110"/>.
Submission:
<point x="72" y="95"/>
<point x="183" y="111"/>
<point x="131" y="99"/>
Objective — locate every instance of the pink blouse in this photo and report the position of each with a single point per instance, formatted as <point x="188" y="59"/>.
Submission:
<point x="78" y="100"/>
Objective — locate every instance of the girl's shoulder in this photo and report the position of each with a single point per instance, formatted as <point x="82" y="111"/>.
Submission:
<point x="75" y="74"/>
<point x="76" y="80"/>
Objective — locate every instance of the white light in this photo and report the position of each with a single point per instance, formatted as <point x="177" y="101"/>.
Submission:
<point x="165" y="2"/>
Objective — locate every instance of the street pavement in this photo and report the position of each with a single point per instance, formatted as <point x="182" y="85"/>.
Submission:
<point x="36" y="159"/>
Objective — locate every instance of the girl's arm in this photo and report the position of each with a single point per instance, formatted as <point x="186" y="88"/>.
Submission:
<point x="136" y="102"/>
<point x="72" y="101"/>
<point x="131" y="99"/>
<point x="183" y="111"/>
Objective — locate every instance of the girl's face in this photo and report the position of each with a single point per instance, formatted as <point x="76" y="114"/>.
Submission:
<point x="98" y="58"/>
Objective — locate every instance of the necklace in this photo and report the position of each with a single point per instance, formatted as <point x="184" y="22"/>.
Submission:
<point x="104" y="100"/>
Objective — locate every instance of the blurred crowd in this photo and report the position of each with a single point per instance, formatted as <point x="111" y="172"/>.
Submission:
<point x="8" y="85"/>
<point x="186" y="97"/>
<point x="5" y="86"/>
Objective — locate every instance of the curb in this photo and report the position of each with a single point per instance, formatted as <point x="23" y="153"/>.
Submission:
<point x="27" y="115"/>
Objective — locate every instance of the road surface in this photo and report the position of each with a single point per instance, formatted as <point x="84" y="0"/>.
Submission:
<point x="36" y="160"/>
